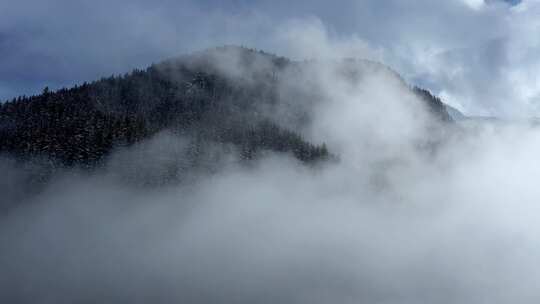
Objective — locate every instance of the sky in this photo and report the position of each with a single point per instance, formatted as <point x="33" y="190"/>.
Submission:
<point x="479" y="56"/>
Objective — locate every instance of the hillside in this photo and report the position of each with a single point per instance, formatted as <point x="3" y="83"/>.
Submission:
<point x="227" y="96"/>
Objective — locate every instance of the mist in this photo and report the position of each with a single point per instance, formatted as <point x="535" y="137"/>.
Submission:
<point x="413" y="212"/>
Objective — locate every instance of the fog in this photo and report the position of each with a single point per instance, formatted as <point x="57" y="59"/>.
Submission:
<point x="413" y="212"/>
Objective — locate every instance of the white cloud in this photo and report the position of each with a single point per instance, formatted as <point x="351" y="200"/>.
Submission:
<point x="475" y="4"/>
<point x="389" y="223"/>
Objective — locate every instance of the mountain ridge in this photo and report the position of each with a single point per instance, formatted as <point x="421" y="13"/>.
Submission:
<point x="217" y="96"/>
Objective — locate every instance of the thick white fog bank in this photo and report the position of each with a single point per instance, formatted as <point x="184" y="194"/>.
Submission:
<point x="398" y="219"/>
<point x="460" y="229"/>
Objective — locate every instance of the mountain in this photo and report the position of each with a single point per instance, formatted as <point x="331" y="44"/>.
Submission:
<point x="434" y="105"/>
<point x="454" y="113"/>
<point x="227" y="97"/>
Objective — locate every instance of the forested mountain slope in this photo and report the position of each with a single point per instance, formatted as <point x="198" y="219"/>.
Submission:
<point x="232" y="96"/>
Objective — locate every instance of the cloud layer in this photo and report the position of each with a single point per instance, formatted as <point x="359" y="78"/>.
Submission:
<point x="395" y="221"/>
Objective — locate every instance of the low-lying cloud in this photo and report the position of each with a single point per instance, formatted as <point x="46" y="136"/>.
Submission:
<point x="413" y="212"/>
